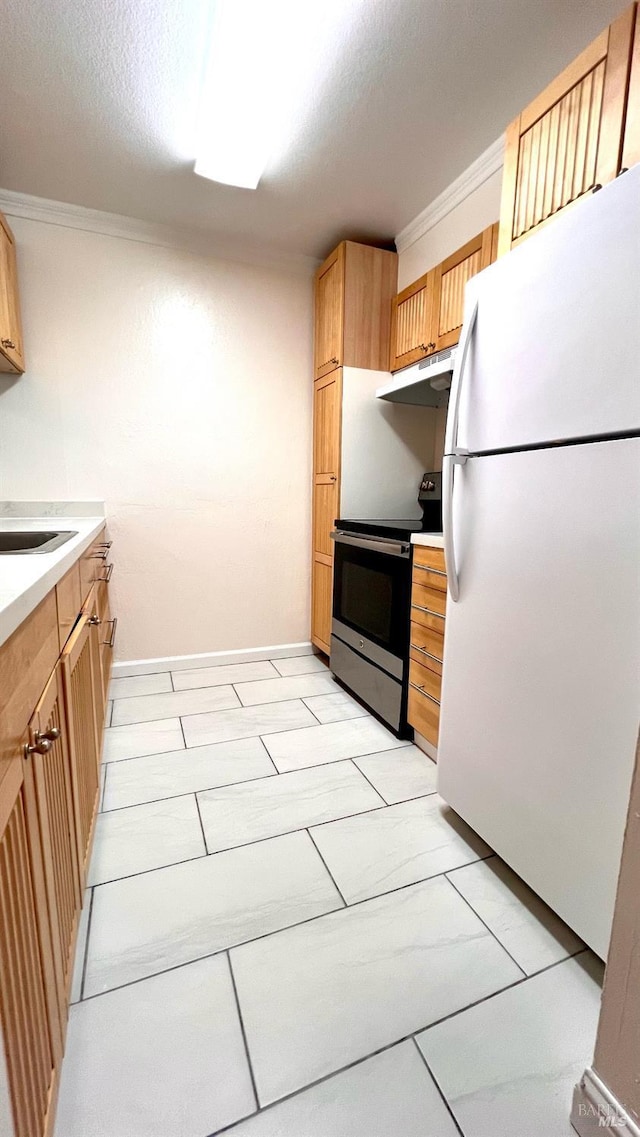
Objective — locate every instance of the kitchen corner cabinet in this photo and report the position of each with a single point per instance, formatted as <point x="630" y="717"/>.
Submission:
<point x="51" y="721"/>
<point x="572" y="137"/>
<point x="11" y="350"/>
<point x="427" y="315"/>
<point x="354" y="287"/>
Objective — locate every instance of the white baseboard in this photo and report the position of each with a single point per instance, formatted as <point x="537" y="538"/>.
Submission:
<point x="423" y="743"/>
<point x="595" y="1109"/>
<point x="208" y="659"/>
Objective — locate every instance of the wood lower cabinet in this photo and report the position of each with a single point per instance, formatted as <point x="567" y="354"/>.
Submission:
<point x="11" y="347"/>
<point x="572" y="136"/>
<point x="51" y="722"/>
<point x="327" y="402"/>
<point x="427" y="315"/>
<point x="428" y="606"/>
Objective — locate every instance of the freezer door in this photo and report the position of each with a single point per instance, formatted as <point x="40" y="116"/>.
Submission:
<point x="555" y="352"/>
<point x="541" y="683"/>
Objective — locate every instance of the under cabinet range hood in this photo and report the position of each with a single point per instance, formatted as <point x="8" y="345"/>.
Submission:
<point x="424" y="384"/>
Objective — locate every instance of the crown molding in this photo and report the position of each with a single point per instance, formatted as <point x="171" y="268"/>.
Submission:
<point x="487" y="164"/>
<point x="196" y="241"/>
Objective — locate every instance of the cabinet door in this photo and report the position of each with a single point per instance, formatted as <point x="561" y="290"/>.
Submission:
<point x="631" y="143"/>
<point x="29" y="1008"/>
<point x="321" y="604"/>
<point x="450" y="279"/>
<point x="569" y="138"/>
<point x="327" y="415"/>
<point x="411" y="323"/>
<point x="329" y="313"/>
<point x="50" y="763"/>
<point x="11" y="352"/>
<point x="81" y="677"/>
<point x="108" y="625"/>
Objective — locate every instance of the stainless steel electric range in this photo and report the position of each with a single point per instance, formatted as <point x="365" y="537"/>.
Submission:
<point x="372" y="605"/>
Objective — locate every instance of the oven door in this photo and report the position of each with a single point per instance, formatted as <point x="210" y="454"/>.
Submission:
<point x="371" y="597"/>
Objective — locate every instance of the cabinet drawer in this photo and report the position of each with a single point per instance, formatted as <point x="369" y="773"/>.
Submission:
<point x="430" y="644"/>
<point x="430" y="598"/>
<point x="92" y="564"/>
<point x="424" y="715"/>
<point x="426" y="557"/>
<point x="428" y="620"/>
<point x="429" y="578"/>
<point x="421" y="677"/>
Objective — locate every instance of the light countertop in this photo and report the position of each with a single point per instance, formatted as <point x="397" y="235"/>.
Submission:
<point x="433" y="540"/>
<point x="25" y="579"/>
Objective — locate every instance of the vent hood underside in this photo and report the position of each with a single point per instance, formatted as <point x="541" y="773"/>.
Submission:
<point x="424" y="384"/>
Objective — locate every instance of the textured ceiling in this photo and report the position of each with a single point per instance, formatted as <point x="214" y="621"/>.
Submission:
<point x="98" y="105"/>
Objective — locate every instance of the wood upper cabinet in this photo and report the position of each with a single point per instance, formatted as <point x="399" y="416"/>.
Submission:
<point x="571" y="136"/>
<point x="427" y="315"/>
<point x="411" y="322"/>
<point x="11" y="349"/>
<point x="450" y="279"/>
<point x="354" y="287"/>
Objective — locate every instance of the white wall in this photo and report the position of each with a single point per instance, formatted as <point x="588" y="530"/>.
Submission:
<point x="480" y="208"/>
<point x="177" y="388"/>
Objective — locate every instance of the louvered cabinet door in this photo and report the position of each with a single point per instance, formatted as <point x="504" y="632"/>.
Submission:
<point x="80" y="673"/>
<point x="54" y="796"/>
<point x="569" y="138"/>
<point x="631" y="142"/>
<point x="450" y="279"/>
<point x="411" y="323"/>
<point x="329" y="313"/>
<point x="29" y="1009"/>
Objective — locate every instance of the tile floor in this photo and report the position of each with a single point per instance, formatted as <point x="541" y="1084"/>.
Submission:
<point x="287" y="933"/>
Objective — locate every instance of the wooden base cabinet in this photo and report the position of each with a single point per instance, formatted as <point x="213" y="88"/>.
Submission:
<point x="428" y="606"/>
<point x="49" y="785"/>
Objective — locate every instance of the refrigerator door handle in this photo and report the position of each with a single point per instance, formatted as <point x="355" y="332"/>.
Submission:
<point x="449" y="463"/>
<point x="451" y="437"/>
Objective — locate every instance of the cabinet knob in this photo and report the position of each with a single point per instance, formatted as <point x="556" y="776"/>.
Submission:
<point x="333" y="478"/>
<point x="334" y="360"/>
<point x="426" y="346"/>
<point x="94" y="621"/>
<point x="7" y="343"/>
<point x="42" y="743"/>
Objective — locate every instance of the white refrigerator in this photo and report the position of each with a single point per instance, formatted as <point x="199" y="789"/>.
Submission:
<point x="541" y="500"/>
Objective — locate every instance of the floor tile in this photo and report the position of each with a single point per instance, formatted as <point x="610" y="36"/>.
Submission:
<point x="300" y="665"/>
<point x="163" y="1058"/>
<point x="510" y="1064"/>
<point x="395" y="846"/>
<point x="400" y="774"/>
<point x="331" y="743"/>
<point x="246" y="722"/>
<point x="145" y="708"/>
<point x="140" y="685"/>
<point x="320" y="996"/>
<point x="254" y="810"/>
<point x="277" y="690"/>
<point x="226" y="673"/>
<point x="148" y="923"/>
<point x="335" y="708"/>
<point x="142" y="738"/>
<point x="389" y="1095"/>
<point x="81" y="943"/>
<point x="145" y="837"/>
<point x="523" y="923"/>
<point x="185" y="771"/>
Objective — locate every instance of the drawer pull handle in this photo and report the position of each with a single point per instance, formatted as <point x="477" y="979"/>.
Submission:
<point x="425" y="693"/>
<point x="421" y="608"/>
<point x="414" y="647"/>
<point x="8" y="343"/>
<point x="428" y="568"/>
<point x="112" y="638"/>
<point x="108" y="574"/>
<point x="102" y="556"/>
<point x="104" y="544"/>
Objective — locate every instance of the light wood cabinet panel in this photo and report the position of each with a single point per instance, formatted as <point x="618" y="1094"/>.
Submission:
<point x="424" y="556"/>
<point x="68" y="603"/>
<point x="424" y="679"/>
<point x="329" y="310"/>
<point x="424" y="715"/>
<point x="321" y="605"/>
<point x="29" y="1008"/>
<point x="80" y="671"/>
<point x="327" y="416"/>
<point x="428" y="608"/>
<point x="449" y="280"/>
<point x="569" y="138"/>
<point x="411" y="322"/>
<point x="11" y="345"/>
<point x="631" y="141"/>
<point x="325" y="511"/>
<point x="52" y="780"/>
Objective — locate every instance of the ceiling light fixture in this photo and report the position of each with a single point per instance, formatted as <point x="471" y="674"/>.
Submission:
<point x="265" y="63"/>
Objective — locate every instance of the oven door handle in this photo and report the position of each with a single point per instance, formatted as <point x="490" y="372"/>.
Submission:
<point x="392" y="548"/>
